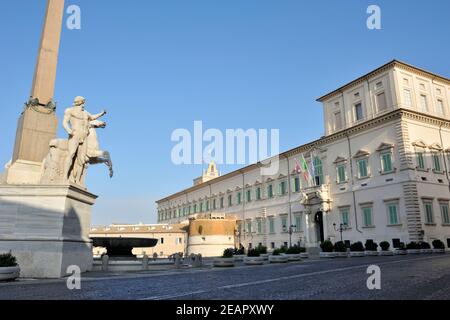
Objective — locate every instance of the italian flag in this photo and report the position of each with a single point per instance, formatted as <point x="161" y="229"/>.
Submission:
<point x="304" y="167"/>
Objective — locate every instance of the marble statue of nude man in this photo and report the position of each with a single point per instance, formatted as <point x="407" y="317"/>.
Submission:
<point x="77" y="124"/>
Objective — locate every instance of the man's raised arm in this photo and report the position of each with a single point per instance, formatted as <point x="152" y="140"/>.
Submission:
<point x="97" y="116"/>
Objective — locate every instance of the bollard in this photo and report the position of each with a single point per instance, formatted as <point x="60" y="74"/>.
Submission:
<point x="177" y="261"/>
<point x="197" y="261"/>
<point x="105" y="261"/>
<point x="145" y="262"/>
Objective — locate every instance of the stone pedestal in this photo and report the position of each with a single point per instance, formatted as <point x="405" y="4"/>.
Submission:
<point x="46" y="228"/>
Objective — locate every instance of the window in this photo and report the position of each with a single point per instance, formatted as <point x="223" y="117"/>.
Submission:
<point x="386" y="162"/>
<point x="407" y="97"/>
<point x="195" y="208"/>
<point x="436" y="162"/>
<point x="258" y="193"/>
<point x="271" y="225"/>
<point x="284" y="223"/>
<point x="440" y="107"/>
<point x="358" y="112"/>
<point x="162" y="241"/>
<point x="367" y="216"/>
<point x="337" y="121"/>
<point x="428" y="209"/>
<point x="282" y="188"/>
<point x="259" y="225"/>
<point x="207" y="205"/>
<point x="444" y="213"/>
<point x="221" y="203"/>
<point x="318" y="171"/>
<point x="214" y="204"/>
<point x="272" y="245"/>
<point x="362" y="168"/>
<point x="341" y="175"/>
<point x="249" y="195"/>
<point x="270" y="191"/>
<point x="392" y="211"/>
<point x="239" y="198"/>
<point x="249" y="226"/>
<point x="420" y="160"/>
<point x="423" y="103"/>
<point x="230" y="200"/>
<point x="345" y="216"/>
<point x="295" y="184"/>
<point x="298" y="222"/>
<point x="381" y="101"/>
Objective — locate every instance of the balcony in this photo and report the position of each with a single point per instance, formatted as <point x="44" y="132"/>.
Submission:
<point x="316" y="196"/>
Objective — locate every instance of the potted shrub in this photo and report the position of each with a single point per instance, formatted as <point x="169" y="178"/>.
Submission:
<point x="340" y="249"/>
<point x="277" y="257"/>
<point x="239" y="254"/>
<point x="371" y="248"/>
<point x="293" y="254"/>
<point x="357" y="249"/>
<point x="327" y="249"/>
<point x="413" y="248"/>
<point x="227" y="259"/>
<point x="438" y="246"/>
<point x="9" y="269"/>
<point x="425" y="247"/>
<point x="253" y="258"/>
<point x="303" y="253"/>
<point x="385" y="249"/>
<point x="401" y="250"/>
<point x="263" y="252"/>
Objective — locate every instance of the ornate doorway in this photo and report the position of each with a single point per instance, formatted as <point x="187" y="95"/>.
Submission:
<point x="318" y="219"/>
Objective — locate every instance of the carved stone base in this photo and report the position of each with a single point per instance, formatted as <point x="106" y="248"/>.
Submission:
<point x="46" y="228"/>
<point x="23" y="172"/>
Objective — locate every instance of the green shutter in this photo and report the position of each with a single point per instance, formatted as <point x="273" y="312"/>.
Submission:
<point x="367" y="217"/>
<point x="420" y="160"/>
<point x="387" y="162"/>
<point x="393" y="215"/>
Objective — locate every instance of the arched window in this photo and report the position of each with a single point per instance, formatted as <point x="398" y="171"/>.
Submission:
<point x="318" y="171"/>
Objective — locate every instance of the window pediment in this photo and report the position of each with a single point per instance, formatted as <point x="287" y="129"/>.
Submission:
<point x="339" y="160"/>
<point x="361" y="154"/>
<point x="385" y="146"/>
<point x="269" y="179"/>
<point x="257" y="183"/>
<point x="419" y="143"/>
<point x="435" y="146"/>
<point x="281" y="176"/>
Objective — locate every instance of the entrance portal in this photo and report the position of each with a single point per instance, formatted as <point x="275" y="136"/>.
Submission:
<point x="318" y="219"/>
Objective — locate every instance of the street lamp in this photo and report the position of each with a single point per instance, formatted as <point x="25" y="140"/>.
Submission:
<point x="342" y="227"/>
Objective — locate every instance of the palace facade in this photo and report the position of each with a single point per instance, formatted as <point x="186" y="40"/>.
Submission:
<point x="381" y="171"/>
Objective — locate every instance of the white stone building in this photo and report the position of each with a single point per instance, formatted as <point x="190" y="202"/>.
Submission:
<point x="382" y="170"/>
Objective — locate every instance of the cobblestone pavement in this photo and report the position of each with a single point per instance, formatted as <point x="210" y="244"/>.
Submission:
<point x="402" y="277"/>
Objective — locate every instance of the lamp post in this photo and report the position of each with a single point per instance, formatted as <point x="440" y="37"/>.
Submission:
<point x="342" y="227"/>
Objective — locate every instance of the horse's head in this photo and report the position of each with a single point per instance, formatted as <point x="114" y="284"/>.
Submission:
<point x="98" y="124"/>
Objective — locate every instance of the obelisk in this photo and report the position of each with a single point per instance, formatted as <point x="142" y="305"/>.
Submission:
<point x="37" y="124"/>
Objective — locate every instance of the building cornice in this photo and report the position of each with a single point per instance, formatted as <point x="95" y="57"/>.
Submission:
<point x="392" y="64"/>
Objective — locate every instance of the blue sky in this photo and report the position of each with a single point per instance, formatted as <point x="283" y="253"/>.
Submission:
<point x="160" y="65"/>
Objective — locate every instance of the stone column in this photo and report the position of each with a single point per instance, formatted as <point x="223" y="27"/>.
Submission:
<point x="37" y="124"/>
